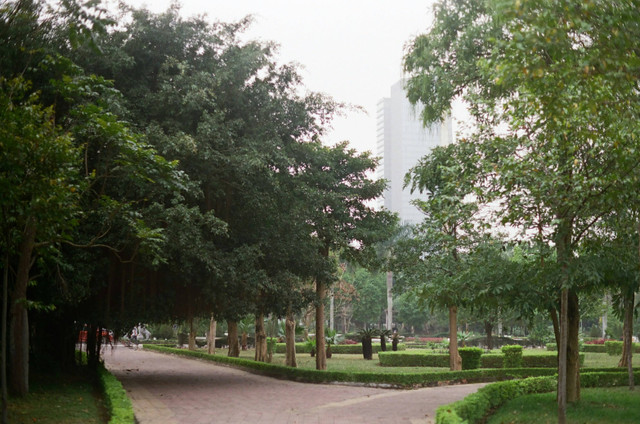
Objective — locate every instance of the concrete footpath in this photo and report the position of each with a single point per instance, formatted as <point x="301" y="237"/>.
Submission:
<point x="166" y="389"/>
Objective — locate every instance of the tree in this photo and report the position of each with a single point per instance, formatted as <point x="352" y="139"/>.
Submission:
<point x="430" y="262"/>
<point x="558" y="83"/>
<point x="336" y="186"/>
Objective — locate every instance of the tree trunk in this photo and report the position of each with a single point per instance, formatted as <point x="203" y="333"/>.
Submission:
<point x="321" y="353"/>
<point x="562" y="358"/>
<point x="192" y="334"/>
<point x="290" y="340"/>
<point x="261" y="339"/>
<point x="627" y="335"/>
<point x="211" y="339"/>
<point x="19" y="332"/>
<point x="232" y="331"/>
<point x="367" y="348"/>
<point x="389" y="322"/>
<point x="573" y="352"/>
<point x="244" y="341"/>
<point x="3" y="353"/>
<point x="455" y="361"/>
<point x="488" y="328"/>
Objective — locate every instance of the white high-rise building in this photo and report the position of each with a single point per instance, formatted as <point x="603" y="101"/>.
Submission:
<point x="402" y="141"/>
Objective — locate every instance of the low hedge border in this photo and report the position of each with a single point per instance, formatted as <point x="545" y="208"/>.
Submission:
<point x="614" y="348"/>
<point x="475" y="407"/>
<point x="355" y="349"/>
<point x="384" y="380"/>
<point x="118" y="403"/>
<point x="487" y="360"/>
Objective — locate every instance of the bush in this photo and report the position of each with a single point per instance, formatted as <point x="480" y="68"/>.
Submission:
<point x="475" y="407"/>
<point x="512" y="356"/>
<point x="594" y="348"/>
<point x="118" y="404"/>
<point x="410" y="359"/>
<point x="470" y="357"/>
<point x="614" y="348"/>
<point x="492" y="360"/>
<point x="552" y="347"/>
<point x="355" y="349"/>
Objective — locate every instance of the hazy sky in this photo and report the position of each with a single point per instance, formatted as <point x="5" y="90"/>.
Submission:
<point x="350" y="49"/>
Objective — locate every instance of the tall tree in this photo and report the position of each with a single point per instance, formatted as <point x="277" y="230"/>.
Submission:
<point x="554" y="91"/>
<point x="430" y="262"/>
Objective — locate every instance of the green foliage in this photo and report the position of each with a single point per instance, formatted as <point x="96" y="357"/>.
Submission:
<point x="118" y="403"/>
<point x="475" y="407"/>
<point x="470" y="357"/>
<point x="413" y="359"/>
<point x="614" y="348"/>
<point x="354" y="349"/>
<point x="512" y="356"/>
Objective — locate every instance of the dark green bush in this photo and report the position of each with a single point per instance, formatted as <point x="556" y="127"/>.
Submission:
<point x="492" y="360"/>
<point x="512" y="356"/>
<point x="118" y="403"/>
<point x="355" y="349"/>
<point x="614" y="348"/>
<point x="552" y="347"/>
<point x="594" y="348"/>
<point x="470" y="357"/>
<point x="411" y="359"/>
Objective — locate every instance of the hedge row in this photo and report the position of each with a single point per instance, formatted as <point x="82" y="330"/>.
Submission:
<point x="118" y="403"/>
<point x="611" y="347"/>
<point x="338" y="349"/>
<point x="419" y="379"/>
<point x="475" y="407"/>
<point x="488" y="360"/>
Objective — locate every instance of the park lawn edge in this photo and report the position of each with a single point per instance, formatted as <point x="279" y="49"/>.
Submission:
<point x="476" y="407"/>
<point x="116" y="399"/>
<point x="383" y="380"/>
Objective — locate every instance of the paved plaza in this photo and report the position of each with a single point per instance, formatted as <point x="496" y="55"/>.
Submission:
<point x="166" y="389"/>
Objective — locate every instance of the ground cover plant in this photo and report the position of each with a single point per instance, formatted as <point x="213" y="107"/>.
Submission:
<point x="69" y="398"/>
<point x="596" y="406"/>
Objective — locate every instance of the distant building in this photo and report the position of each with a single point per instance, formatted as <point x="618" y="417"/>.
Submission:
<point x="402" y="141"/>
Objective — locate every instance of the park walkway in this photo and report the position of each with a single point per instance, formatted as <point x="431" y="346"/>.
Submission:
<point x="167" y="389"/>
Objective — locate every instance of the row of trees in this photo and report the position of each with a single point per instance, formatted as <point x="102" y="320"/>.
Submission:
<point x="552" y="87"/>
<point x="162" y="168"/>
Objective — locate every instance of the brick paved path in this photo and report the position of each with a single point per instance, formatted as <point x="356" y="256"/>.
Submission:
<point x="167" y="389"/>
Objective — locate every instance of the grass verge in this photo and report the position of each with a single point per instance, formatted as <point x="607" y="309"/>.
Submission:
<point x="596" y="406"/>
<point x="61" y="398"/>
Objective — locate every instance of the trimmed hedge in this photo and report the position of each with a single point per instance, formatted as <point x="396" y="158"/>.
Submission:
<point x="475" y="407"/>
<point x="512" y="356"/>
<point x="488" y="360"/>
<point x="614" y="348"/>
<point x="355" y="349"/>
<point x="118" y="403"/>
<point x="470" y="357"/>
<point x="413" y="359"/>
<point x="418" y="379"/>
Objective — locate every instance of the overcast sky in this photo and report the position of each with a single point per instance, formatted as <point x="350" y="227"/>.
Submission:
<point x="350" y="49"/>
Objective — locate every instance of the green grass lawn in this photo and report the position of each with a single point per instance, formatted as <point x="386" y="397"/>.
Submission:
<point x="59" y="398"/>
<point x="597" y="406"/>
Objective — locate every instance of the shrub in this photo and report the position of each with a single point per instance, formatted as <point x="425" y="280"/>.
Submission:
<point x="492" y="360"/>
<point x="475" y="407"/>
<point x="594" y="348"/>
<point x="355" y="349"/>
<point x="118" y="404"/>
<point x="470" y="357"/>
<point x="552" y="347"/>
<point x="614" y="348"/>
<point x="410" y="359"/>
<point x="512" y="356"/>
